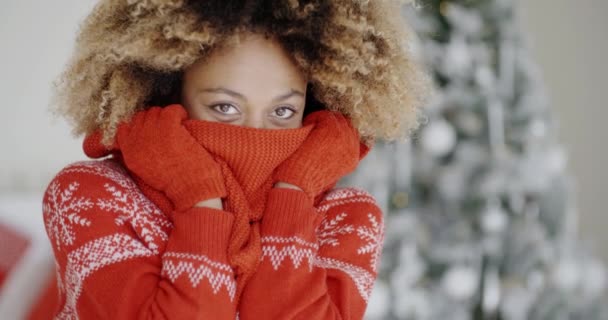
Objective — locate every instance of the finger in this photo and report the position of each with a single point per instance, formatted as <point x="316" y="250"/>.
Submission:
<point x="126" y="127"/>
<point x="169" y="117"/>
<point x="152" y="122"/>
<point x="152" y="114"/>
<point x="316" y="117"/>
<point x="138" y="118"/>
<point x="122" y="133"/>
<point x="175" y="112"/>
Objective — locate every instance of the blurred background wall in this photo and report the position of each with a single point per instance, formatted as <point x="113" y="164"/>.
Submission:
<point x="36" y="39"/>
<point x="565" y="38"/>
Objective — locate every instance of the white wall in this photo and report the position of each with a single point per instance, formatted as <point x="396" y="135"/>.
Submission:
<point x="35" y="39"/>
<point x="569" y="41"/>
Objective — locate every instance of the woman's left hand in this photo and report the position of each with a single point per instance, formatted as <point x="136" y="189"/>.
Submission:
<point x="286" y="185"/>
<point x="331" y="151"/>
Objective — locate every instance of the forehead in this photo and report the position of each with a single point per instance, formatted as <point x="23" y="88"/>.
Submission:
<point x="249" y="58"/>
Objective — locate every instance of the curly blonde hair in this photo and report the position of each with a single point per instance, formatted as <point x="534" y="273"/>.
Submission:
<point x="130" y="54"/>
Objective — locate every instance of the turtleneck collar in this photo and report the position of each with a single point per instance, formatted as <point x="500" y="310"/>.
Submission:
<point x="251" y="153"/>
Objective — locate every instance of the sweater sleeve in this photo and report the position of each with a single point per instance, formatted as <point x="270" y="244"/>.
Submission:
<point x="317" y="263"/>
<point x="119" y="257"/>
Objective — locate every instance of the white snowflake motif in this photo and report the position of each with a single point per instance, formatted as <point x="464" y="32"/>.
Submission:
<point x="108" y="168"/>
<point x="62" y="211"/>
<point x="89" y="258"/>
<point x="373" y="236"/>
<point x="124" y="199"/>
<point x="133" y="207"/>
<point x="329" y="230"/>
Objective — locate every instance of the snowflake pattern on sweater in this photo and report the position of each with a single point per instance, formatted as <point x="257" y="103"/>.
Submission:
<point x="370" y="232"/>
<point x="63" y="212"/>
<point x="88" y="259"/>
<point x="98" y="222"/>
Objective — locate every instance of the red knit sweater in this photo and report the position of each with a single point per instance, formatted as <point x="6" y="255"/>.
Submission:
<point x="119" y="256"/>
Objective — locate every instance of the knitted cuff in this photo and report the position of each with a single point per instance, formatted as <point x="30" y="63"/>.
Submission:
<point x="307" y="180"/>
<point x="202" y="230"/>
<point x="289" y="212"/>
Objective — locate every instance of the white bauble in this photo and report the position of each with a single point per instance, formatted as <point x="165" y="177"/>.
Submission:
<point x="438" y="137"/>
<point x="460" y="282"/>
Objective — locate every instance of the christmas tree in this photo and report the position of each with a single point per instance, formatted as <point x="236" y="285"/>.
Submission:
<point x="481" y="221"/>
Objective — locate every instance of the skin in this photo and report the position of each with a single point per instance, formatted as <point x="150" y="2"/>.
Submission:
<point x="254" y="83"/>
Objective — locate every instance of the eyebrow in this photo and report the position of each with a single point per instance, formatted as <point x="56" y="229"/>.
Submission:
<point x="292" y="92"/>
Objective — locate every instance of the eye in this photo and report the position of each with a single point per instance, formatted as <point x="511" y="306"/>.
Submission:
<point x="284" y="112"/>
<point x="225" y="108"/>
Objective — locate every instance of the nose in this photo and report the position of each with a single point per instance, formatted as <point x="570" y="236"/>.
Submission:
<point x="253" y="121"/>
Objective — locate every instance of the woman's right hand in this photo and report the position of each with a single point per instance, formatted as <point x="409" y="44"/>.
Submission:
<point x="159" y="149"/>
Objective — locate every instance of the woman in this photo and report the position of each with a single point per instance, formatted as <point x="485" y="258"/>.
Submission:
<point x="227" y="125"/>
